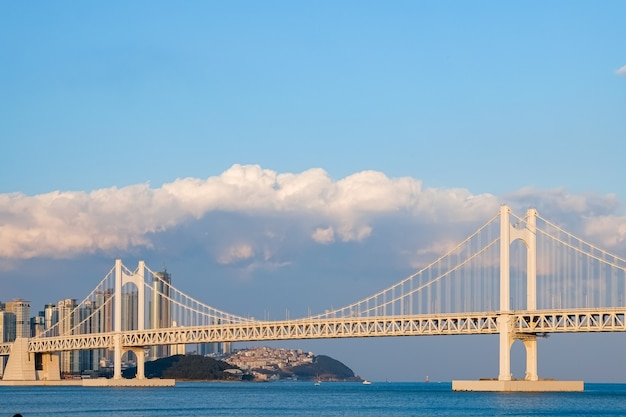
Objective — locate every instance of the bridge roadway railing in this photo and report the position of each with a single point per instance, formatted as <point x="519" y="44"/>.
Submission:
<point x="442" y="324"/>
<point x="523" y="323"/>
<point x="325" y="329"/>
<point x="570" y="321"/>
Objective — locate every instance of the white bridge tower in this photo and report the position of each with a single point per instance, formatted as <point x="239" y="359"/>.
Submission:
<point x="121" y="279"/>
<point x="508" y="234"/>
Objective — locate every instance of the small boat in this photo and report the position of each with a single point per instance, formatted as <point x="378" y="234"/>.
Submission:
<point x="366" y="382"/>
<point x="318" y="383"/>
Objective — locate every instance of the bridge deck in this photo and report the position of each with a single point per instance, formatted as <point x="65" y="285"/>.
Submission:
<point x="524" y="322"/>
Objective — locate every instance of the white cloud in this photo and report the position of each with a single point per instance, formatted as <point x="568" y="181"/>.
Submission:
<point x="621" y="71"/>
<point x="351" y="233"/>
<point x="278" y="207"/>
<point x="235" y="254"/>
<point x="324" y="236"/>
<point x="608" y="231"/>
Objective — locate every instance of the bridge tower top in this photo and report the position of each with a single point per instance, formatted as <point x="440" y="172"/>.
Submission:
<point x="526" y="232"/>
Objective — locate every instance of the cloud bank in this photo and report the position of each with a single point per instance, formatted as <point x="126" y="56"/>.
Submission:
<point x="309" y="206"/>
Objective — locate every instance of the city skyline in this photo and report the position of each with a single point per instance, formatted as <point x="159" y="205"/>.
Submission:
<point x="289" y="158"/>
<point x="95" y="314"/>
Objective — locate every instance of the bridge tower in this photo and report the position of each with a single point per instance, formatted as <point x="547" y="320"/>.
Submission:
<point x="121" y="279"/>
<point x="508" y="234"/>
<point x="525" y="231"/>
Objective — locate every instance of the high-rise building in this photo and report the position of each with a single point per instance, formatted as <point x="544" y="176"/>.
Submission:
<point x="206" y="349"/>
<point x="7" y="334"/>
<point x="7" y="327"/>
<point x="37" y="324"/>
<point x="21" y="309"/>
<point x="51" y="317"/>
<point x="213" y="349"/>
<point x="160" y="309"/>
<point x="89" y="360"/>
<point x="69" y="362"/>
<point x="103" y="322"/>
<point x="130" y="310"/>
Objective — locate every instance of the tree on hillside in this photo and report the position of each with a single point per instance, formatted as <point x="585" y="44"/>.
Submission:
<point x="323" y="367"/>
<point x="192" y="367"/>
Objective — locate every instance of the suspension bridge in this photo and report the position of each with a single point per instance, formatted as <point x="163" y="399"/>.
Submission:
<point x="521" y="277"/>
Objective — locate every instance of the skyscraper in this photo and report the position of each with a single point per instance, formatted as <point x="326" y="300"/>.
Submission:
<point x="130" y="310"/>
<point x="37" y="324"/>
<point x="7" y="333"/>
<point x="7" y="327"/>
<point x="69" y="359"/>
<point x="88" y="359"/>
<point x="51" y="317"/>
<point x="104" y="321"/>
<point x="160" y="309"/>
<point x="21" y="309"/>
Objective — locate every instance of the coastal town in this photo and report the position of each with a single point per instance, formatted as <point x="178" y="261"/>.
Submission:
<point x="268" y="363"/>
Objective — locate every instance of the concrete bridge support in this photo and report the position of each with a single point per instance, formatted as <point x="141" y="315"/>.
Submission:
<point x="506" y="342"/>
<point x="507" y="338"/>
<point x="117" y="357"/>
<point x="22" y="364"/>
<point x="530" y="343"/>
<point x="140" y="354"/>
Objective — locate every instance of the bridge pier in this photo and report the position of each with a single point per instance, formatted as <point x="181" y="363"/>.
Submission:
<point x="505" y="382"/>
<point x="506" y="342"/>
<point x="507" y="338"/>
<point x="22" y="364"/>
<point x="530" y="343"/>
<point x="117" y="356"/>
<point x="140" y="354"/>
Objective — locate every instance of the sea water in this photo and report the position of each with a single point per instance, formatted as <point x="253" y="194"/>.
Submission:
<point x="306" y="399"/>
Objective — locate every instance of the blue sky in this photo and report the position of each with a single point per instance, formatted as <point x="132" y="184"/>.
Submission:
<point x="158" y="130"/>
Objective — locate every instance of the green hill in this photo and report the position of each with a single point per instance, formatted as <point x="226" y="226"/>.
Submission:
<point x="202" y="368"/>
<point x="324" y="368"/>
<point x="187" y="367"/>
